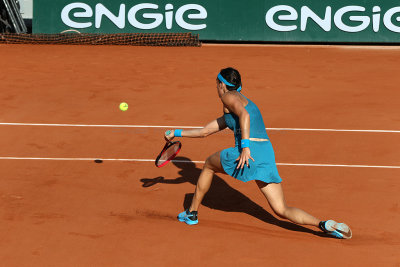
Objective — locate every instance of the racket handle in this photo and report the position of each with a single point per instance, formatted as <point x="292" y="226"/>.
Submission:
<point x="166" y="136"/>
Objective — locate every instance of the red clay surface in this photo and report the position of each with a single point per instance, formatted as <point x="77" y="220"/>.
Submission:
<point x="79" y="213"/>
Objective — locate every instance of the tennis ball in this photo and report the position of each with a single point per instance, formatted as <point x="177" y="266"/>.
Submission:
<point x="123" y="106"/>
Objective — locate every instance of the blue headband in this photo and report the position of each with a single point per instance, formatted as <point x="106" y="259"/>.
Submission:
<point x="228" y="83"/>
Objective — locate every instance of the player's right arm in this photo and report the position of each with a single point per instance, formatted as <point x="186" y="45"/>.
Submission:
<point x="211" y="128"/>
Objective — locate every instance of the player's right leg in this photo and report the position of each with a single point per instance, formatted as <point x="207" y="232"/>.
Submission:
<point x="274" y="195"/>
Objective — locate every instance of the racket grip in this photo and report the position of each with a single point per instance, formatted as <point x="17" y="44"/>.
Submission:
<point x="178" y="133"/>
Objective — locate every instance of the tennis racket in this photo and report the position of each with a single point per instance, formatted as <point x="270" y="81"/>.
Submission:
<point x="168" y="153"/>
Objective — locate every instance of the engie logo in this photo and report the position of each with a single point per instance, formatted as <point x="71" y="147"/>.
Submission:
<point x="363" y="21"/>
<point x="82" y="10"/>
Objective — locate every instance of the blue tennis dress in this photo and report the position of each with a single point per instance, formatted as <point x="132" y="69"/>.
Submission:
<point x="264" y="167"/>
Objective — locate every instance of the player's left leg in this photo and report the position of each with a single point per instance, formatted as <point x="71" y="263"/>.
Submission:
<point x="211" y="166"/>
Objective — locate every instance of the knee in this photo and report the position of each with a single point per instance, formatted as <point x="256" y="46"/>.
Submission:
<point x="280" y="211"/>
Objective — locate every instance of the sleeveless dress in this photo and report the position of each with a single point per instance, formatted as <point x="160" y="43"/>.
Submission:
<point x="264" y="167"/>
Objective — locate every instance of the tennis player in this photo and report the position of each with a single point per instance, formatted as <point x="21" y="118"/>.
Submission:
<point x="252" y="158"/>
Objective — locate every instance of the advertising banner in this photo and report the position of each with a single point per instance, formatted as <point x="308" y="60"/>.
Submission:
<point x="358" y="21"/>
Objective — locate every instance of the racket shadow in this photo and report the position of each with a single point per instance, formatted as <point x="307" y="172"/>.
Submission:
<point x="221" y="196"/>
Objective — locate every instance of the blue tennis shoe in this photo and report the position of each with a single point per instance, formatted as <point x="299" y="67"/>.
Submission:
<point x="189" y="217"/>
<point x="338" y="230"/>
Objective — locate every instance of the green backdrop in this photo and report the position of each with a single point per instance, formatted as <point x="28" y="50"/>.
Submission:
<point x="228" y="20"/>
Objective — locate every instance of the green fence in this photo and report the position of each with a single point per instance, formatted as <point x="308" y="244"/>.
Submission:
<point x="228" y="20"/>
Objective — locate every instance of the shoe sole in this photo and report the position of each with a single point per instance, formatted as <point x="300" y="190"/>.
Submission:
<point x="341" y="228"/>
<point x="189" y="222"/>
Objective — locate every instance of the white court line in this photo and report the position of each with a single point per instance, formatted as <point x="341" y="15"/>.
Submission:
<point x="197" y="161"/>
<point x="186" y="127"/>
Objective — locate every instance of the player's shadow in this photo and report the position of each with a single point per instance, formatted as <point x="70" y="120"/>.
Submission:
<point x="223" y="197"/>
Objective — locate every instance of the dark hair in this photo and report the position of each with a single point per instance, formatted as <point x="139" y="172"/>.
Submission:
<point x="232" y="76"/>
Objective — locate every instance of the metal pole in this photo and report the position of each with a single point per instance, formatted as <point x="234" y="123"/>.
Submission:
<point x="15" y="16"/>
<point x="20" y="20"/>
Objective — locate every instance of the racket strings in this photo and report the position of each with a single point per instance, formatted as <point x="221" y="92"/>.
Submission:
<point x="168" y="154"/>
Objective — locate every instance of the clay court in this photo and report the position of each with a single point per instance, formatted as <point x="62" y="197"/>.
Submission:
<point x="323" y="106"/>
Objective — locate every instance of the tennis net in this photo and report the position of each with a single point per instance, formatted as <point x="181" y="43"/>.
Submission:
<point x="133" y="39"/>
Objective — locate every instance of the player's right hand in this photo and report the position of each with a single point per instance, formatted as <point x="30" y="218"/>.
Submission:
<point x="243" y="158"/>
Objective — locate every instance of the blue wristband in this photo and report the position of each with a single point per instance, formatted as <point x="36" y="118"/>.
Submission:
<point x="178" y="133"/>
<point x="245" y="143"/>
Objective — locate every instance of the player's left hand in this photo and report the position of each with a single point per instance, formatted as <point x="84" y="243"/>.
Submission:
<point x="244" y="158"/>
<point x="169" y="135"/>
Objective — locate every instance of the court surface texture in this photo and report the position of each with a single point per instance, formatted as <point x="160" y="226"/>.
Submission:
<point x="332" y="114"/>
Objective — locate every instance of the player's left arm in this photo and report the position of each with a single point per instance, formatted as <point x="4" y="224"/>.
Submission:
<point x="211" y="128"/>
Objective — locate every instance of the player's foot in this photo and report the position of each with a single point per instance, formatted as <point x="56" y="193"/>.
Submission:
<point x="338" y="230"/>
<point x="189" y="217"/>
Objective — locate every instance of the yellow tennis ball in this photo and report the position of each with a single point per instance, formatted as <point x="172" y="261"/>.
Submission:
<point x="123" y="106"/>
